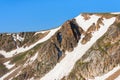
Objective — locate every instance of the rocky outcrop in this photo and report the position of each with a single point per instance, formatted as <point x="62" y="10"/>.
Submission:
<point x="12" y="41"/>
<point x="86" y="16"/>
<point x="6" y="42"/>
<point x="71" y="34"/>
<point x="53" y="50"/>
<point x="102" y="57"/>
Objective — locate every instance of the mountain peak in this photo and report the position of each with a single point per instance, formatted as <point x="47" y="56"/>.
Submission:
<point x="57" y="53"/>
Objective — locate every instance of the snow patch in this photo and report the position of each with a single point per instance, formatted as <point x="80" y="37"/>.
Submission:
<point x="85" y="24"/>
<point x="14" y="37"/>
<point x="17" y="37"/>
<point x="22" y="49"/>
<point x="41" y="32"/>
<point x="67" y="63"/>
<point x="8" y="65"/>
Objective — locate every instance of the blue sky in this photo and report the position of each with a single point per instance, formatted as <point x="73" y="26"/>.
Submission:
<point x="35" y="15"/>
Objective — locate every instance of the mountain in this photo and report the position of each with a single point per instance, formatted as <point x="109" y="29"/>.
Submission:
<point x="86" y="47"/>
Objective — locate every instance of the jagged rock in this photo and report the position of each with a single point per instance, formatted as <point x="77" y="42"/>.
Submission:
<point x="52" y="51"/>
<point x="86" y="16"/>
<point x="8" y="43"/>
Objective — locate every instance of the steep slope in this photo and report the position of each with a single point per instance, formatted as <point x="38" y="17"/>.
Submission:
<point x="49" y="50"/>
<point x="102" y="57"/>
<point x="64" y="67"/>
<point x="82" y="48"/>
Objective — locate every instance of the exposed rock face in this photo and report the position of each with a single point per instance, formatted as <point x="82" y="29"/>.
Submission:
<point x="65" y="39"/>
<point x="86" y="16"/>
<point x="87" y="38"/>
<point x="102" y="57"/>
<point x="6" y="42"/>
<point x="35" y="62"/>
<point x="53" y="50"/>
<point x="71" y="33"/>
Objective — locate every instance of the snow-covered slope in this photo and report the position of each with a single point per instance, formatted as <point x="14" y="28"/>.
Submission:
<point x="66" y="64"/>
<point x="22" y="49"/>
<point x="85" y="24"/>
<point x="54" y="56"/>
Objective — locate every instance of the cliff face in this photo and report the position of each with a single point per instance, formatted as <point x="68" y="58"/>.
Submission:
<point x="32" y="55"/>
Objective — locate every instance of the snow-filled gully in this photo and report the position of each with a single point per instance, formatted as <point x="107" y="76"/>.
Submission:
<point x="64" y="67"/>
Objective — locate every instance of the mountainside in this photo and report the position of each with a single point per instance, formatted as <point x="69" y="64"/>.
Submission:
<point x="84" y="48"/>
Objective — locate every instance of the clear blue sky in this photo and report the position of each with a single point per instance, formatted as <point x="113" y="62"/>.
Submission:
<point x="35" y="15"/>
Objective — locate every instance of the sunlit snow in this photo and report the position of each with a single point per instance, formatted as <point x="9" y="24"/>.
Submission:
<point x="85" y="24"/>
<point x="17" y="37"/>
<point x="8" y="65"/>
<point x="41" y="32"/>
<point x="22" y="49"/>
<point x="67" y="63"/>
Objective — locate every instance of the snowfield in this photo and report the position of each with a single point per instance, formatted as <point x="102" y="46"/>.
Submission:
<point x="67" y="63"/>
<point x="85" y="24"/>
<point x="22" y="49"/>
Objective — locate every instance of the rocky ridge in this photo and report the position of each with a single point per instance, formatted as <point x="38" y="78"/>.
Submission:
<point x="40" y="59"/>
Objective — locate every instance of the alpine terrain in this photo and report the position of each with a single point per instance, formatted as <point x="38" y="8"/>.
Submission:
<point x="86" y="47"/>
